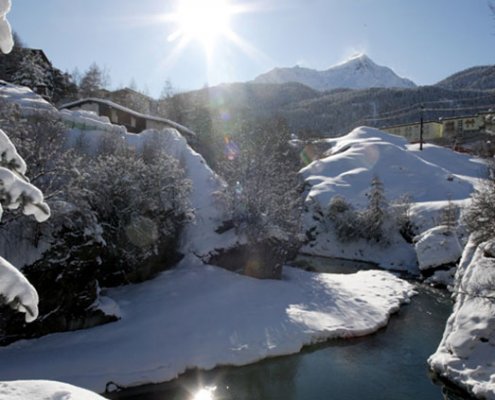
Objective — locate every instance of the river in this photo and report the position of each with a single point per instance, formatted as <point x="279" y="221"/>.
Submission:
<point x="388" y="365"/>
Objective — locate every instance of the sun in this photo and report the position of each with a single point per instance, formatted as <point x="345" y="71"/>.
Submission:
<point x="205" y="21"/>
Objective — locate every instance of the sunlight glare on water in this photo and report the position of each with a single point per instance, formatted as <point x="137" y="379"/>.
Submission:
<point x="206" y="393"/>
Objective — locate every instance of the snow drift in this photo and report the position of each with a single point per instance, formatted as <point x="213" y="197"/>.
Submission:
<point x="203" y="316"/>
<point x="467" y="350"/>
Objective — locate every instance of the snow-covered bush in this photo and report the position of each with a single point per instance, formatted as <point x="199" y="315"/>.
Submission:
<point x="120" y="222"/>
<point x="140" y="207"/>
<point x="371" y="223"/>
<point x="40" y="138"/>
<point x="345" y="219"/>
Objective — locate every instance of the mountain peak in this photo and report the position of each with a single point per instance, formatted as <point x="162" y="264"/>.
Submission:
<point x="357" y="72"/>
<point x="357" y="57"/>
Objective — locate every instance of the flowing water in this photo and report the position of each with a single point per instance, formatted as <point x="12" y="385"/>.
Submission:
<point x="388" y="365"/>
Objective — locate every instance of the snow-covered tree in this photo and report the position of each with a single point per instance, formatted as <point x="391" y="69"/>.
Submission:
<point x="345" y="219"/>
<point x="33" y="73"/>
<point x="16" y="192"/>
<point x="64" y="87"/>
<point x="264" y="190"/>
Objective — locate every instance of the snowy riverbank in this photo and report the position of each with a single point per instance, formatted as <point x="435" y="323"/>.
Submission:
<point x="203" y="316"/>
<point x="466" y="354"/>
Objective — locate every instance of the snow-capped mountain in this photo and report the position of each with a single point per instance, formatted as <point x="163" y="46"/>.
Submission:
<point x="359" y="72"/>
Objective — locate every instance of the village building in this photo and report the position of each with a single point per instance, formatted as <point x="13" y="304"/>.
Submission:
<point x="451" y="130"/>
<point x="462" y="128"/>
<point x="432" y="130"/>
<point x="133" y="121"/>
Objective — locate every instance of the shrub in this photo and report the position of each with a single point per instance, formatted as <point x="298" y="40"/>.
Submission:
<point x="479" y="217"/>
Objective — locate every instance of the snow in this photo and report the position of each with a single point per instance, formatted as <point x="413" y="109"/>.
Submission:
<point x="466" y="353"/>
<point x="432" y="177"/>
<point x="16" y="290"/>
<point x="116" y="106"/>
<point x="22" y="194"/>
<point x="356" y="73"/>
<point x="437" y="246"/>
<point x="202" y="316"/>
<point x="24" y="97"/>
<point x="6" y="41"/>
<point x="43" y="390"/>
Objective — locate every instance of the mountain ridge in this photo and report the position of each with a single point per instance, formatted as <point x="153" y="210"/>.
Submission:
<point x="359" y="72"/>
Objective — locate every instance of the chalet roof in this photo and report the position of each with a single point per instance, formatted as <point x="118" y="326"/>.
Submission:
<point x="182" y="129"/>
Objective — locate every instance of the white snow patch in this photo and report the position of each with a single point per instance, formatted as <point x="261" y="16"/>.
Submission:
<point x="24" y="97"/>
<point x="44" y="390"/>
<point x="203" y="316"/>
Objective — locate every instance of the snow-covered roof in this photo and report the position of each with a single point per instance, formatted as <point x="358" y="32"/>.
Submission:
<point x="182" y="129"/>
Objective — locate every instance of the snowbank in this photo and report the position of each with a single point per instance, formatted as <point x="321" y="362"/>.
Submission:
<point x="466" y="353"/>
<point x="431" y="177"/>
<point x="24" y="97"/>
<point x="46" y="390"/>
<point x="203" y="316"/>
<point x="437" y="246"/>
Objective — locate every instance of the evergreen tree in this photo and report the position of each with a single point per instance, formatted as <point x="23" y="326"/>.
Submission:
<point x="374" y="215"/>
<point x="64" y="87"/>
<point x="35" y="74"/>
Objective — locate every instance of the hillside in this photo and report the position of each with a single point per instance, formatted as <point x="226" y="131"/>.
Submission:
<point x="430" y="177"/>
<point x="357" y="73"/>
<point x="330" y="113"/>
<point x="475" y="78"/>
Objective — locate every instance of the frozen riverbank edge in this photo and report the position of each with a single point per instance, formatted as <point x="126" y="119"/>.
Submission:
<point x="199" y="316"/>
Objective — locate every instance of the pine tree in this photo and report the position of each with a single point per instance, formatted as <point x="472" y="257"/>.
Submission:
<point x="374" y="215"/>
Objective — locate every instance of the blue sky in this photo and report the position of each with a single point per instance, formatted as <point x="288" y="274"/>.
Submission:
<point x="423" y="40"/>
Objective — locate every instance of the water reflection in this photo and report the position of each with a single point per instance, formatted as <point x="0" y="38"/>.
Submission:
<point x="388" y="365"/>
<point x="206" y="393"/>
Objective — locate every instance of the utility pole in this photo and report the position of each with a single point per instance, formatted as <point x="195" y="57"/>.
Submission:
<point x="421" y="127"/>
